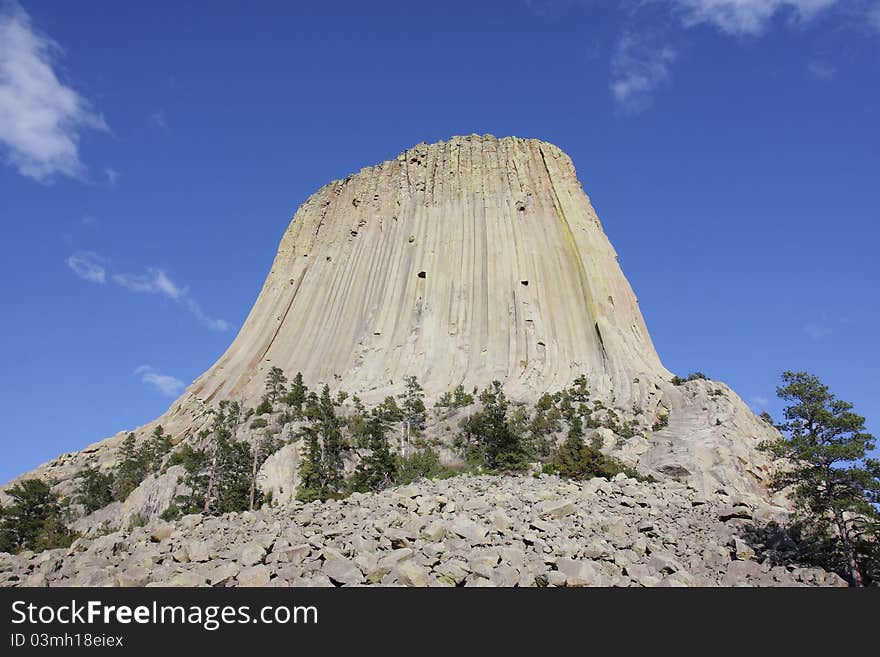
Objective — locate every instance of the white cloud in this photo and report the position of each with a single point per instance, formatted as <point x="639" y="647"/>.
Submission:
<point x="874" y="16"/>
<point x="156" y="281"/>
<point x="41" y="119"/>
<point x="760" y="401"/>
<point x="746" y="17"/>
<point x="159" y="120"/>
<point x="817" y="330"/>
<point x="88" y="267"/>
<point x="821" y="70"/>
<point x="638" y="68"/>
<point x="112" y="175"/>
<point x="170" y="386"/>
<point x="196" y="310"/>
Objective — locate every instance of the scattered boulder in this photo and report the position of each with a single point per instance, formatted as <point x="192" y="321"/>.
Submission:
<point x="465" y="531"/>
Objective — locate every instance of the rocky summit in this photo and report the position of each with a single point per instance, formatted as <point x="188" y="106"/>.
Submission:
<point x="463" y="531"/>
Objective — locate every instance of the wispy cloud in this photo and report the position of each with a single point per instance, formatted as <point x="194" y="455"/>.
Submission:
<point x="168" y="385"/>
<point x="112" y="175"/>
<point x="817" y="329"/>
<point x="196" y="310"/>
<point x="874" y="16"/>
<point x="759" y="401"/>
<point x="747" y="17"/>
<point x="159" y="119"/>
<point x="41" y="118"/>
<point x="155" y="281"/>
<point x="638" y="68"/>
<point x="88" y="267"/>
<point x="821" y="70"/>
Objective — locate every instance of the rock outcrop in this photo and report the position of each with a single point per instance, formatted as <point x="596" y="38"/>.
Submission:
<point x="464" y="262"/>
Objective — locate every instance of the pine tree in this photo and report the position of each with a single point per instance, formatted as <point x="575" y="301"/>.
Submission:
<point x="7" y="543"/>
<point x="836" y="487"/>
<point x="95" y="489"/>
<point x="332" y="444"/>
<point x="413" y="408"/>
<point x="158" y="449"/>
<point x="132" y="466"/>
<point x="218" y="435"/>
<point x="34" y="520"/>
<point x="577" y="460"/>
<point x="504" y="446"/>
<point x="388" y="411"/>
<point x="378" y="469"/>
<point x="579" y="391"/>
<point x="544" y="424"/>
<point x="310" y="468"/>
<point x="266" y="447"/>
<point x="196" y="463"/>
<point x="321" y="472"/>
<point x="276" y="384"/>
<point x="233" y="478"/>
<point x="297" y="395"/>
<point x="460" y="398"/>
<point x="232" y="412"/>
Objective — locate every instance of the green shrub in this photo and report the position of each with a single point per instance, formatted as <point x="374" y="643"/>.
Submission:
<point x="662" y="421"/>
<point x="137" y="520"/>
<point x="34" y="520"/>
<point x="575" y="459"/>
<point x="493" y="440"/>
<point x="677" y="380"/>
<point x="171" y="513"/>
<point x="423" y="464"/>
<point x="259" y="423"/>
<point x="95" y="489"/>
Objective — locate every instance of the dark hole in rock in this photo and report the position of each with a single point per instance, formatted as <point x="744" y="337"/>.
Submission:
<point x="422" y="274"/>
<point x="354" y="233"/>
<point x="328" y="258"/>
<point x="526" y="283"/>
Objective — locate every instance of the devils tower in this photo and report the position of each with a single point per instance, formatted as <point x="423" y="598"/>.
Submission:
<point x="461" y="263"/>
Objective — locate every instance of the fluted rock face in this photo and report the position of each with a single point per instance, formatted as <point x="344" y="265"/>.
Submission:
<point x="464" y="262"/>
<point x="461" y="262"/>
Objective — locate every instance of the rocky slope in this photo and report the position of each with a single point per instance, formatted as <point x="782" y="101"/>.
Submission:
<point x="464" y="531"/>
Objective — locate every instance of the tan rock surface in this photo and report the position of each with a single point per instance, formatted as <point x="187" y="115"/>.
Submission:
<point x="462" y="262"/>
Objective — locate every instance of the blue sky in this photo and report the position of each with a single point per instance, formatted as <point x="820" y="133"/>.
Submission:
<point x="152" y="154"/>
